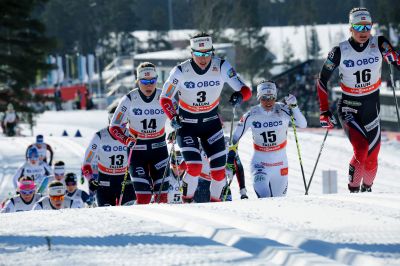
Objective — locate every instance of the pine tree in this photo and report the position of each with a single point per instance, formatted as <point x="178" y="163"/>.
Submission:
<point x="288" y="55"/>
<point x="314" y="49"/>
<point x="23" y="44"/>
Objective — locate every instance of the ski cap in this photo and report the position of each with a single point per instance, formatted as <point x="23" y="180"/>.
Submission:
<point x="56" y="188"/>
<point x="26" y="185"/>
<point x="33" y="153"/>
<point x="146" y="72"/>
<point x="359" y="15"/>
<point x="266" y="88"/>
<point x="70" y="177"/>
<point x="201" y="43"/>
<point x="39" y="139"/>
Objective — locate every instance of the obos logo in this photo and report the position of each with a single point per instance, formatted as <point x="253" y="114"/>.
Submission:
<point x="348" y="63"/>
<point x="107" y="148"/>
<point x="257" y="124"/>
<point x="189" y="84"/>
<point x="137" y="111"/>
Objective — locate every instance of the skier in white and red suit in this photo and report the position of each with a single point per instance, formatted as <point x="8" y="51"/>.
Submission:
<point x="146" y="119"/>
<point x="359" y="60"/>
<point x="198" y="83"/>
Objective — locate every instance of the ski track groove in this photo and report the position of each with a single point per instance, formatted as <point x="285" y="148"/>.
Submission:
<point x="231" y="235"/>
<point x="343" y="255"/>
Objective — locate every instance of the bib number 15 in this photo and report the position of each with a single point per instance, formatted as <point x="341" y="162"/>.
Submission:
<point x="269" y="136"/>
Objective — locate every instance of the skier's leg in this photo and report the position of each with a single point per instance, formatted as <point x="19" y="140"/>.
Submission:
<point x="214" y="147"/>
<point x="189" y="146"/>
<point x="157" y="172"/>
<point x="278" y="180"/>
<point x="261" y="176"/>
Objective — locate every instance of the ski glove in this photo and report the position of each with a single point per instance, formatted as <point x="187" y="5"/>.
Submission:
<point x="236" y="99"/>
<point x="327" y="120"/>
<point x="176" y="122"/>
<point x="130" y="142"/>
<point x="291" y="101"/>
<point x="93" y="184"/>
<point x="171" y="137"/>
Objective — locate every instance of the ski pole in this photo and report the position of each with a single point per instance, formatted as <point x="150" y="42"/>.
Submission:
<point x="394" y="94"/>
<point x="119" y="203"/>
<point x="166" y="167"/>
<point x="316" y="163"/>
<point x="230" y="143"/>
<point x="298" y="148"/>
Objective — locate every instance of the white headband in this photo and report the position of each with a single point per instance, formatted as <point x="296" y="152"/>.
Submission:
<point x="266" y="88"/>
<point x="201" y="43"/>
<point x="360" y="16"/>
<point x="57" y="191"/>
<point x="147" y="72"/>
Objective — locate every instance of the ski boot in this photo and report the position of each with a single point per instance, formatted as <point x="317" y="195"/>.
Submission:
<point x="243" y="193"/>
<point x="366" y="188"/>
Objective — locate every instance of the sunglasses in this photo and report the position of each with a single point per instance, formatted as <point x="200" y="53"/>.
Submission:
<point x="148" y="81"/>
<point x="57" y="198"/>
<point x="361" y="28"/>
<point x="27" y="192"/>
<point x="202" y="54"/>
<point x="71" y="183"/>
<point x="267" y="97"/>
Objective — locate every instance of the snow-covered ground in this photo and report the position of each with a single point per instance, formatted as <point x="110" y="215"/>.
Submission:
<point x="319" y="229"/>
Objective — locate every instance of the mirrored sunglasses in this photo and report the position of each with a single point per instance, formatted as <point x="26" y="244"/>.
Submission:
<point x="202" y="54"/>
<point x="267" y="97"/>
<point x="71" y="183"/>
<point x="148" y="81"/>
<point x="361" y="28"/>
<point x="27" y="192"/>
<point x="57" y="198"/>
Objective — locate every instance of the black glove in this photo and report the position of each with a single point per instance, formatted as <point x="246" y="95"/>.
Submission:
<point x="176" y="122"/>
<point x="93" y="184"/>
<point x="171" y="137"/>
<point x="236" y="98"/>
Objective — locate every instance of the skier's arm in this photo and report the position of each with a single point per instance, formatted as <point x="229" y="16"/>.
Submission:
<point x="230" y="76"/>
<point x="48" y="147"/>
<point x="299" y="119"/>
<point x="331" y="63"/>
<point x="120" y="118"/>
<point x="17" y="175"/>
<point x="9" y="207"/>
<point x="241" y="128"/>
<point x="388" y="52"/>
<point x="169" y="90"/>
<point x="90" y="156"/>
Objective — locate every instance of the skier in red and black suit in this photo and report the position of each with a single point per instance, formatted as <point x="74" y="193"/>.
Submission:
<point x="199" y="82"/>
<point x="359" y="60"/>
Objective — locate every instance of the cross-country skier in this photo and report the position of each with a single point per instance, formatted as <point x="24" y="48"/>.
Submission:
<point x="56" y="199"/>
<point x="58" y="171"/>
<point x="141" y="109"/>
<point x="359" y="60"/>
<point x="111" y="158"/>
<point x="34" y="168"/>
<point x="239" y="172"/>
<point x="26" y="199"/>
<point x="269" y="123"/>
<point x="78" y="195"/>
<point x="198" y="83"/>
<point x="42" y="148"/>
